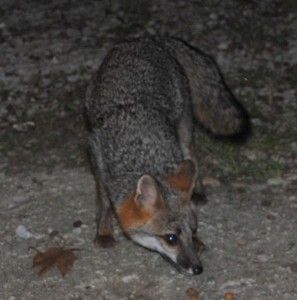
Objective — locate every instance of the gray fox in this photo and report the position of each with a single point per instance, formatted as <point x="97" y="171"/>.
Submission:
<point x="140" y="110"/>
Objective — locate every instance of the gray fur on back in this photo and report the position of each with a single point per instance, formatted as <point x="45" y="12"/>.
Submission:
<point x="134" y="108"/>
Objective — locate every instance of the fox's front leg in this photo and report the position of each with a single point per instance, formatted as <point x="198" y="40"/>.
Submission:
<point x="104" y="233"/>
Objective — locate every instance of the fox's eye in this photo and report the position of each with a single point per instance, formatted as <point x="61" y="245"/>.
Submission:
<point x="171" y="239"/>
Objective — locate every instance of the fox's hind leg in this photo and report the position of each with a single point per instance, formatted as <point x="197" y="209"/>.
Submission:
<point x="104" y="231"/>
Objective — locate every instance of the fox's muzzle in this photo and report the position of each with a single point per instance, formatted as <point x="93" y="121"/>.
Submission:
<point x="189" y="266"/>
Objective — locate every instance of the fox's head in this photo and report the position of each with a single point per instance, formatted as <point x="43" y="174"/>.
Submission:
<point x="161" y="216"/>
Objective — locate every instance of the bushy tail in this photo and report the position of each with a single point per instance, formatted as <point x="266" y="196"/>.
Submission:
<point x="214" y="106"/>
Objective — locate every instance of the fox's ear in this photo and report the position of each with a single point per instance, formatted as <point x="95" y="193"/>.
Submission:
<point x="148" y="194"/>
<point x="184" y="176"/>
<point x="140" y="208"/>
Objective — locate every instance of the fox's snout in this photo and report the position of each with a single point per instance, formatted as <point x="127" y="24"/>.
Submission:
<point x="195" y="270"/>
<point x="188" y="266"/>
<point x="184" y="257"/>
<point x="188" y="256"/>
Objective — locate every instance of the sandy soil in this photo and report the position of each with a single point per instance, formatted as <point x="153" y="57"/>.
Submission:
<point x="48" y="53"/>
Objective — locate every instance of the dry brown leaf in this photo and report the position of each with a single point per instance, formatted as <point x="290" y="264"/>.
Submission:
<point x="229" y="296"/>
<point x="55" y="256"/>
<point x="193" y="294"/>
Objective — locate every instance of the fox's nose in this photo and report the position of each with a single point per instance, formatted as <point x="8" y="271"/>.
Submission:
<point x="197" y="269"/>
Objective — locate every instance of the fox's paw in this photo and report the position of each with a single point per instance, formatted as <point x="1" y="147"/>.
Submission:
<point x="104" y="241"/>
<point x="199" y="198"/>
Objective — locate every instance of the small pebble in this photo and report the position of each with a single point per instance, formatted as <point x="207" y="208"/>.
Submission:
<point x="275" y="181"/>
<point x="271" y="215"/>
<point x="210" y="181"/>
<point x="263" y="258"/>
<point x="23" y="233"/>
<point x="130" y="278"/>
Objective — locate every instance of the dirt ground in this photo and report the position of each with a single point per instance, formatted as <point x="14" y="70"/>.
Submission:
<point x="49" y="51"/>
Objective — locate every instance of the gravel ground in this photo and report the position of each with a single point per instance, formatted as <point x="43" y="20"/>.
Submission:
<point x="49" y="50"/>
